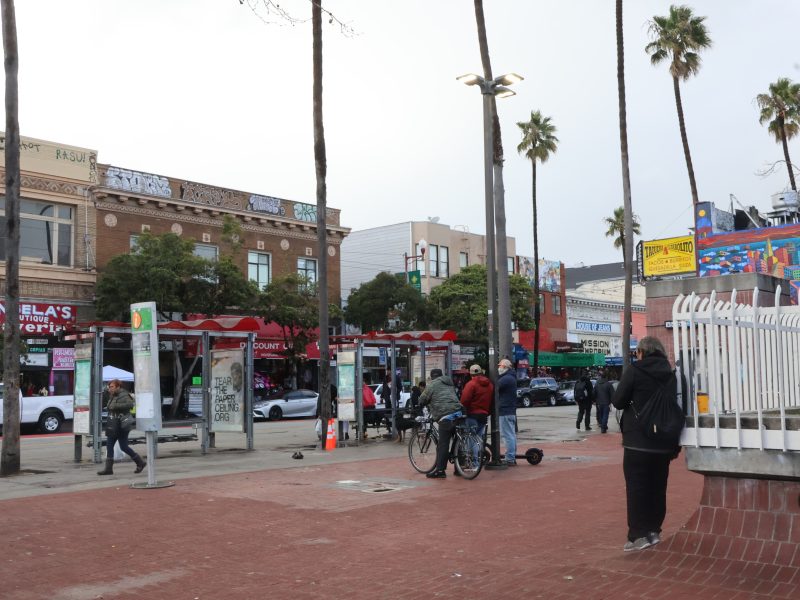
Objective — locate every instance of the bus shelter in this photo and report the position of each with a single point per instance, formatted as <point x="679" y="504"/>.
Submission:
<point x="90" y="345"/>
<point x="350" y="367"/>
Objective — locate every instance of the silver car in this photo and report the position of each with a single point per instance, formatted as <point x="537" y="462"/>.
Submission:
<point x="297" y="403"/>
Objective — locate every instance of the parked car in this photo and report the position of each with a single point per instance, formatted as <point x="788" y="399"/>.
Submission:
<point x="567" y="389"/>
<point x="296" y="403"/>
<point x="538" y="390"/>
<point x="405" y="395"/>
<point x="49" y="412"/>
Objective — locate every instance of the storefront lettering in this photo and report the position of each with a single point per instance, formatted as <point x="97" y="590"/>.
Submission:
<point x="42" y="318"/>
<point x="133" y="181"/>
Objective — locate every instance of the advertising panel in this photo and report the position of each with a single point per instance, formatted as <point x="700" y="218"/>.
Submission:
<point x="346" y="385"/>
<point x="144" y="344"/>
<point x="227" y="390"/>
<point x="669" y="256"/>
<point x="549" y="273"/>
<point x="82" y="392"/>
<point x="42" y="318"/>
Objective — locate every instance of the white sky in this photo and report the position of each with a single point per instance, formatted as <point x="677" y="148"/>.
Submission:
<point x="204" y="90"/>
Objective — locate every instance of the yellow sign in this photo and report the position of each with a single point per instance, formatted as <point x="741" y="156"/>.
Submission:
<point x="50" y="158"/>
<point x="670" y="256"/>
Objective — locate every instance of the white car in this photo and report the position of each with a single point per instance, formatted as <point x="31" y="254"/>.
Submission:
<point x="49" y="412"/>
<point x="405" y="396"/>
<point x="297" y="403"/>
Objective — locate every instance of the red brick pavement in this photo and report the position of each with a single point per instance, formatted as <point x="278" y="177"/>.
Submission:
<point x="551" y="531"/>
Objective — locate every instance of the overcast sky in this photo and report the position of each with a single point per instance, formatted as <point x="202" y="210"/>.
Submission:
<point x="204" y="90"/>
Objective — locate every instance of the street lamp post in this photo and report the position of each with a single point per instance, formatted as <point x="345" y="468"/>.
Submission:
<point x="423" y="246"/>
<point x="489" y="88"/>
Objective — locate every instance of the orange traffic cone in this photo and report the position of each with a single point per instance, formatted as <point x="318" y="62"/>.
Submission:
<point x="330" y="440"/>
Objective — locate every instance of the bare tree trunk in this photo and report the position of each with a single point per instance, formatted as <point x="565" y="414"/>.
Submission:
<point x="181" y="377"/>
<point x="537" y="309"/>
<point x="786" y="153"/>
<point x="320" y="163"/>
<point x="10" y="454"/>
<point x="684" y="139"/>
<point x="627" y="241"/>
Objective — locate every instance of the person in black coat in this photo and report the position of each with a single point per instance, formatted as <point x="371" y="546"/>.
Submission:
<point x="646" y="461"/>
<point x="583" y="395"/>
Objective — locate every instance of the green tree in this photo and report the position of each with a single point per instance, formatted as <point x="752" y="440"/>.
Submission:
<point x="460" y="303"/>
<point x="538" y="143"/>
<point x="677" y="38"/>
<point x="626" y="185"/>
<point x="616" y="227"/>
<point x="10" y="452"/>
<point x="780" y="109"/>
<point x="293" y="303"/>
<point x="386" y="297"/>
<point x="222" y="289"/>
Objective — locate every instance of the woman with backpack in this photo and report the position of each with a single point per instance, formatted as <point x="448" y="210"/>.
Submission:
<point x="648" y="446"/>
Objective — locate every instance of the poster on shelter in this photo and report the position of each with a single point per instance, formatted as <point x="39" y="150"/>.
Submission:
<point x="227" y="390"/>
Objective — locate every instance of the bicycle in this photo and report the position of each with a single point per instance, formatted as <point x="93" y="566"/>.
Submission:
<point x="466" y="449"/>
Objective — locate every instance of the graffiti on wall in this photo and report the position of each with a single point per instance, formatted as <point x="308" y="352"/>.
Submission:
<point x="266" y="204"/>
<point x="770" y="250"/>
<point x="549" y="273"/>
<point x="305" y="212"/>
<point x="205" y="194"/>
<point x="140" y="183"/>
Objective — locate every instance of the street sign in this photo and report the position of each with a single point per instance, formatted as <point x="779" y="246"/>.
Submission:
<point x="415" y="281"/>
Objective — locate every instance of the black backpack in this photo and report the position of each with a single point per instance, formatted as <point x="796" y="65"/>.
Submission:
<point x="661" y="418"/>
<point x="580" y="391"/>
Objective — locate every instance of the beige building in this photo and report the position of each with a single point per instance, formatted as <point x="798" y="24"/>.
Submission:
<point x="396" y="249"/>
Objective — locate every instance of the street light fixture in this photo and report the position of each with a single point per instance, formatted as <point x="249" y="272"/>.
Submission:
<point x="489" y="89"/>
<point x="423" y="247"/>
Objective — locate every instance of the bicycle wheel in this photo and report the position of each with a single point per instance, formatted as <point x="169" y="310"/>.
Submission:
<point x="469" y="455"/>
<point x="422" y="450"/>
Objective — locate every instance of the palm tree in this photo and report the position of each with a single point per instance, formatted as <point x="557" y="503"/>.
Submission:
<point x="616" y="227"/>
<point x="538" y="143"/>
<point x="321" y="168"/>
<point x="626" y="187"/>
<point x="677" y="38"/>
<point x="781" y="109"/>
<point x="10" y="453"/>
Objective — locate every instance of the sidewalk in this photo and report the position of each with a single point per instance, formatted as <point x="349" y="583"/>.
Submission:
<point x="363" y="528"/>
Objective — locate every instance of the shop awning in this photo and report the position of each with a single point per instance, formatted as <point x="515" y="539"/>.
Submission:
<point x="569" y="359"/>
<point x="440" y="335"/>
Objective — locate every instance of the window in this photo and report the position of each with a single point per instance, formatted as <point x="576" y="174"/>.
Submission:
<point x="433" y="259"/>
<point x="307" y="267"/>
<point x="134" y="242"/>
<point x="444" y="261"/>
<point x="207" y="251"/>
<point x="541" y="304"/>
<point x="510" y="260"/>
<point x="556" y="304"/>
<point x="45" y="232"/>
<point x="463" y="260"/>
<point x="258" y="268"/>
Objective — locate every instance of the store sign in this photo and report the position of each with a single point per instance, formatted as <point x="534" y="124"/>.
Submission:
<point x="610" y="346"/>
<point x="42" y="318"/>
<point x="593" y="327"/>
<point x="670" y="256"/>
<point x="64" y="358"/>
<point x="261" y="348"/>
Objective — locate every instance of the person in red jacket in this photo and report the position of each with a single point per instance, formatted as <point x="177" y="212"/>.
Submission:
<point x="477" y="398"/>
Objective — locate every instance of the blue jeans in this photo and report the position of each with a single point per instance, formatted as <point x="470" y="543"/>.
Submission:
<point x="602" y="416"/>
<point x="479" y="423"/>
<point x="508" y="426"/>
<point x="120" y="435"/>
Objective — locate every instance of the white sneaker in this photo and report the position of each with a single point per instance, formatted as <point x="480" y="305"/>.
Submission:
<point x="638" y="544"/>
<point x="654" y="538"/>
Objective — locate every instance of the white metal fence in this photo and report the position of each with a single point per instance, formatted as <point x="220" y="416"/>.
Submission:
<point x="746" y="359"/>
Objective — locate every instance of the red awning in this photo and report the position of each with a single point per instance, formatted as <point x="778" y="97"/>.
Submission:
<point x="217" y="324"/>
<point x="441" y="335"/>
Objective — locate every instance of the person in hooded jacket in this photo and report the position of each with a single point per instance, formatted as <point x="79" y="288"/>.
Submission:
<point x="645" y="462"/>
<point x="477" y="398"/>
<point x="440" y="398"/>
<point x="507" y="393"/>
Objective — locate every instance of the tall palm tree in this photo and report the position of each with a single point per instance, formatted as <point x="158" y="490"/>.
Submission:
<point x="321" y="168"/>
<point x="616" y="227"/>
<point x="781" y="109"/>
<point x="626" y="187"/>
<point x="678" y="38"/>
<point x="10" y="453"/>
<point x="538" y="143"/>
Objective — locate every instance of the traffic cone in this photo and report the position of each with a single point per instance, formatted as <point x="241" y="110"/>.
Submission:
<point x="330" y="440"/>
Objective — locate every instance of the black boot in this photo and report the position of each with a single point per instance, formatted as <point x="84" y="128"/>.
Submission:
<point x="140" y="463"/>
<point x="109" y="469"/>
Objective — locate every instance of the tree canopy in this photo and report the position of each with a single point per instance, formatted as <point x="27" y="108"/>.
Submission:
<point x="386" y="302"/>
<point x="616" y="227"/>
<point x="678" y="38"/>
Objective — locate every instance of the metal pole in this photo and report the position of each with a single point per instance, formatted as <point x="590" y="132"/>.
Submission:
<point x="205" y="441"/>
<point x="248" y="389"/>
<point x="487" y="90"/>
<point x="97" y="395"/>
<point x="395" y="395"/>
<point x="359" y="392"/>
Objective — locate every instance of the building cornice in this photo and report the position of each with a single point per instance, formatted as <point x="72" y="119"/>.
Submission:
<point x="577" y="301"/>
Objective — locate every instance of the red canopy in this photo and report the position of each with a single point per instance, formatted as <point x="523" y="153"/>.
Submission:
<point x="440" y="335"/>
<point x="217" y="324"/>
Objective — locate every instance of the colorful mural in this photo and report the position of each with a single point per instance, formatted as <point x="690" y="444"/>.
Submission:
<point x="549" y="273"/>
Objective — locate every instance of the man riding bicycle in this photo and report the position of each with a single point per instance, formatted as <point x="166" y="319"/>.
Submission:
<point x="440" y="397"/>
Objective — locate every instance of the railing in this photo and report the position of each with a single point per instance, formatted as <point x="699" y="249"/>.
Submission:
<point x="745" y="362"/>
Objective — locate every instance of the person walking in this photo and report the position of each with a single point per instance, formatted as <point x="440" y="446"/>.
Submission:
<point x="476" y="398"/>
<point x="603" y="393"/>
<point x="645" y="461"/>
<point x="583" y="398"/>
<point x="507" y="392"/>
<point x="440" y="397"/>
<point x="118" y="425"/>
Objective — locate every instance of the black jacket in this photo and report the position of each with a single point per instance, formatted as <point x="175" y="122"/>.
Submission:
<point x="603" y="391"/>
<point x="507" y="392"/>
<point x="639" y="383"/>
